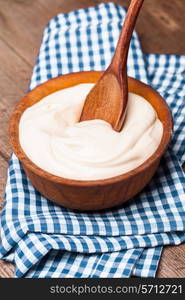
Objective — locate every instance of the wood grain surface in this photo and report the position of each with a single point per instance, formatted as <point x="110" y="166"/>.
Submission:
<point x="161" y="30"/>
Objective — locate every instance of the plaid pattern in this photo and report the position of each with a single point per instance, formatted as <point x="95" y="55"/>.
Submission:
<point x="45" y="240"/>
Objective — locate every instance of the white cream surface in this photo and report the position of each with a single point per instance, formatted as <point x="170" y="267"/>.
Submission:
<point x="54" y="140"/>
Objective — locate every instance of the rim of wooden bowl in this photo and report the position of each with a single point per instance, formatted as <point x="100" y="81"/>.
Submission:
<point x="60" y="82"/>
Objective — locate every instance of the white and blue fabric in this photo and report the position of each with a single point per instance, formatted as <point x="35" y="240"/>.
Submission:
<point x="43" y="239"/>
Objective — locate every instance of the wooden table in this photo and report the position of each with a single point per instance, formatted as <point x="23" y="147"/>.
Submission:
<point x="160" y="28"/>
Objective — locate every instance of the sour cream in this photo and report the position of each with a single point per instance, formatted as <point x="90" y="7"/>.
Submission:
<point x="53" y="138"/>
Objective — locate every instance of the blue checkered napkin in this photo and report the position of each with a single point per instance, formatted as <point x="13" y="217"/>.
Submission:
<point x="45" y="240"/>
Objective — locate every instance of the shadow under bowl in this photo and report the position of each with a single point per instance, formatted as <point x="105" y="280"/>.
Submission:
<point x="91" y="194"/>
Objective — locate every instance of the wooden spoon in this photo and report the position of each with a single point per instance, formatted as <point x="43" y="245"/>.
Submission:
<point x="108" y="99"/>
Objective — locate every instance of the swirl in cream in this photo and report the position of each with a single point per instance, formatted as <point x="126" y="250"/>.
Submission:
<point x="54" y="140"/>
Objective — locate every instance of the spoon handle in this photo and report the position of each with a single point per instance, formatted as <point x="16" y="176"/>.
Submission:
<point x="119" y="60"/>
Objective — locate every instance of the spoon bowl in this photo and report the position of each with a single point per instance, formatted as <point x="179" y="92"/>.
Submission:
<point x="92" y="194"/>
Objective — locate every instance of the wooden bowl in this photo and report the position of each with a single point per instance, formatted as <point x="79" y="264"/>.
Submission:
<point x="92" y="194"/>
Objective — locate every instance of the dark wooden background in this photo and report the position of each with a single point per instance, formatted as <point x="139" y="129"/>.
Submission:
<point x="161" y="28"/>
